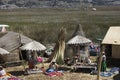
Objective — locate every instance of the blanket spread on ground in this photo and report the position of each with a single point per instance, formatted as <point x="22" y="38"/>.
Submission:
<point x="8" y="77"/>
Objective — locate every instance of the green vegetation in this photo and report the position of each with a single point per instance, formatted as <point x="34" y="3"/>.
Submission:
<point x="43" y="24"/>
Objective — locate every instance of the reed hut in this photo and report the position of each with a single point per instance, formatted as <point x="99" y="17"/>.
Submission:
<point x="34" y="47"/>
<point x="11" y="41"/>
<point x="79" y="43"/>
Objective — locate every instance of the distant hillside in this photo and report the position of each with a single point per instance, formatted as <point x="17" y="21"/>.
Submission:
<point x="106" y="2"/>
<point x="10" y="4"/>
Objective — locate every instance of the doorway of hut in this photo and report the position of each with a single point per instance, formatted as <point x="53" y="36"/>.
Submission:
<point x="108" y="53"/>
<point x="108" y="50"/>
<point x="24" y="55"/>
<point x="2" y="59"/>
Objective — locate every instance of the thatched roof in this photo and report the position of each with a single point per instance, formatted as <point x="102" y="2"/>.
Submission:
<point x="12" y="40"/>
<point x="78" y="36"/>
<point x="33" y="46"/>
<point x="25" y="39"/>
<point x="3" y="51"/>
<point x="79" y="40"/>
<point x="78" y="31"/>
<point x="112" y="36"/>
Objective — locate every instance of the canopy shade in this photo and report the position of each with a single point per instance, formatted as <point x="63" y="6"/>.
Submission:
<point x="3" y="51"/>
<point x="79" y="40"/>
<point x="34" y="46"/>
<point x="112" y="36"/>
<point x="2" y="25"/>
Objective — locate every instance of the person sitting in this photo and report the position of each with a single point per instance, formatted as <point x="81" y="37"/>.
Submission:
<point x="2" y="71"/>
<point x="76" y="59"/>
<point x="88" y="60"/>
<point x="52" y="67"/>
<point x="67" y="61"/>
<point x="31" y="64"/>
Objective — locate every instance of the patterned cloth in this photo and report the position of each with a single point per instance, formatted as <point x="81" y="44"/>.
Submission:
<point x="52" y="73"/>
<point x="9" y="77"/>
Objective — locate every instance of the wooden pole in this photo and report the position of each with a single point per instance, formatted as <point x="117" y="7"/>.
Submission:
<point x="20" y="52"/>
<point x="78" y="53"/>
<point x="22" y="60"/>
<point x="42" y="64"/>
<point x="99" y="64"/>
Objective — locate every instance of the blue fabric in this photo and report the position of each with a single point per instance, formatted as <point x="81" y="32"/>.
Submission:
<point x="105" y="74"/>
<point x="50" y="70"/>
<point x="114" y="69"/>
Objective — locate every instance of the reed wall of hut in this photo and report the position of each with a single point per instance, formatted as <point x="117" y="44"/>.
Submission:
<point x="69" y="53"/>
<point x="3" y="58"/>
<point x="13" y="56"/>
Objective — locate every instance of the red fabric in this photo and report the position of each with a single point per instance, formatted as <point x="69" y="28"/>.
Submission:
<point x="31" y="65"/>
<point x="52" y="74"/>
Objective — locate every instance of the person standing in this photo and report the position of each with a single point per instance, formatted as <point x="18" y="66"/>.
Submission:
<point x="103" y="64"/>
